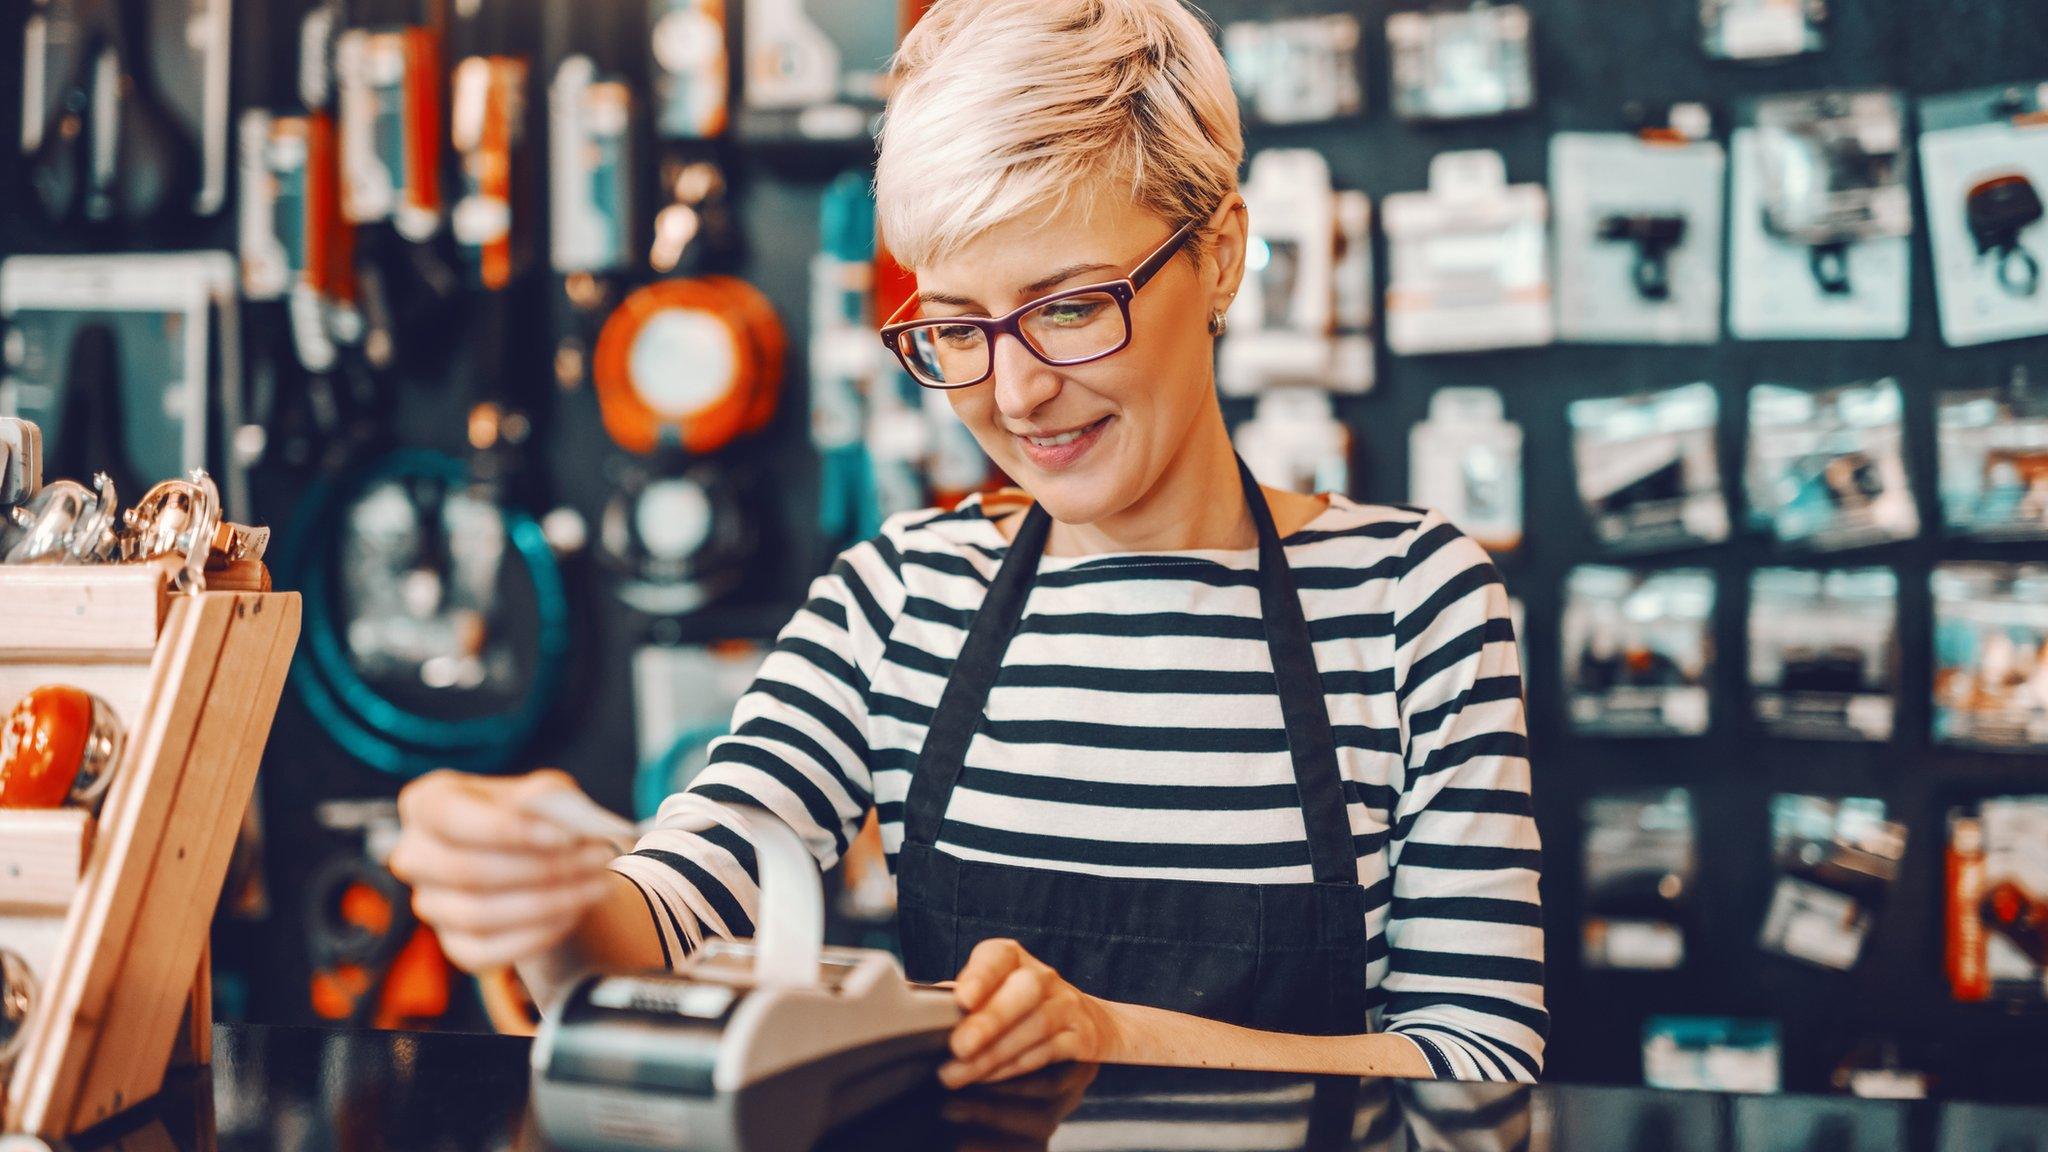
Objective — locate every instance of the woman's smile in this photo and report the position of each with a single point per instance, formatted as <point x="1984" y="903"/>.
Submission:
<point x="1055" y="452"/>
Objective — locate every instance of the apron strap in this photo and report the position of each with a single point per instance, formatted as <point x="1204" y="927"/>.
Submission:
<point x="974" y="674"/>
<point x="1317" y="776"/>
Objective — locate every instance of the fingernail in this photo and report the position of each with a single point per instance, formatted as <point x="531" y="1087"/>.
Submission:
<point x="951" y="1072"/>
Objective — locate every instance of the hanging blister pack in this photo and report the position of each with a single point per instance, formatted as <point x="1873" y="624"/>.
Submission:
<point x="1837" y="860"/>
<point x="1299" y="70"/>
<point x="487" y="117"/>
<point x="1282" y="313"/>
<point x="1649" y="472"/>
<point x="1820" y="218"/>
<point x="1637" y="650"/>
<point x="692" y="73"/>
<point x="270" y="180"/>
<point x="295" y="245"/>
<point x="815" y="69"/>
<point x="388" y="83"/>
<point x="1303" y="315"/>
<point x="1984" y="172"/>
<point x="1828" y="469"/>
<point x="1823" y="652"/>
<point x="1461" y="63"/>
<point x="1992" y="445"/>
<point x="1991" y="655"/>
<point x="1466" y="462"/>
<point x="115" y="359"/>
<point x="590" y="170"/>
<point x="369" y="73"/>
<point x="1467" y="261"/>
<point x="1997" y="881"/>
<point x="1295" y="441"/>
<point x="1761" y="30"/>
<point x="1640" y="864"/>
<point x="1639" y="233"/>
<point x="184" y="56"/>
<point x="1352" y="349"/>
<point x="194" y="66"/>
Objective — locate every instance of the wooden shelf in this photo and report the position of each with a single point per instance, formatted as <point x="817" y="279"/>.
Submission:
<point x="120" y="958"/>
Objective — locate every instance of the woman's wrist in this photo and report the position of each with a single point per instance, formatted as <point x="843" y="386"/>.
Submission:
<point x="1113" y="1034"/>
<point x="613" y="935"/>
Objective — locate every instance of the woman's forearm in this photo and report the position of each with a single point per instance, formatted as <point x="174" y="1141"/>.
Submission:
<point x="1141" y="1035"/>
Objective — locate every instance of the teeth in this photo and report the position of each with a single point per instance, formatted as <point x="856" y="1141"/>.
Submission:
<point x="1062" y="438"/>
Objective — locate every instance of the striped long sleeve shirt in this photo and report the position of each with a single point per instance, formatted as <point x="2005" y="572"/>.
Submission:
<point x="1135" y="730"/>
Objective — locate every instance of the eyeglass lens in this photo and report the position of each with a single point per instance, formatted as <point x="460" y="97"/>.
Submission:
<point x="1068" y="329"/>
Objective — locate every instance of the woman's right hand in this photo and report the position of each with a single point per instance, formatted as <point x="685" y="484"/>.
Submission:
<point x="496" y="883"/>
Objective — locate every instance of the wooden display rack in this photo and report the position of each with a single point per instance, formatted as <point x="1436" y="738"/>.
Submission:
<point x="113" y="914"/>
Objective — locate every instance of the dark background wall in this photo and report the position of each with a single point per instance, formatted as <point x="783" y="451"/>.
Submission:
<point x="1594" y="56"/>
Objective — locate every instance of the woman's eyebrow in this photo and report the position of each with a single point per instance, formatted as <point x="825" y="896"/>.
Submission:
<point x="1029" y="290"/>
<point x="1067" y="273"/>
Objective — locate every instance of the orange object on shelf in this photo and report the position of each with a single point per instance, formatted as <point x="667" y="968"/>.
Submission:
<point x="56" y="748"/>
<point x="1967" y="976"/>
<point x="650" y="396"/>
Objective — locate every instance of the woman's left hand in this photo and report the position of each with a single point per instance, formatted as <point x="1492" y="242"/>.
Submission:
<point x="1020" y="1017"/>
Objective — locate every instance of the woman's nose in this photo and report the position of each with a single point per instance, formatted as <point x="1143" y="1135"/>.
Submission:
<point x="1024" y="383"/>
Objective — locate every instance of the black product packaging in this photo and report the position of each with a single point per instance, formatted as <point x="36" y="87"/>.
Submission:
<point x="1823" y="658"/>
<point x="1637" y="650"/>
<point x="1647" y="467"/>
<point x="1836" y="860"/>
<point x="1640" y="864"/>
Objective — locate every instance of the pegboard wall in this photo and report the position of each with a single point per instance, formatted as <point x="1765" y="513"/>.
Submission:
<point x="1593" y="57"/>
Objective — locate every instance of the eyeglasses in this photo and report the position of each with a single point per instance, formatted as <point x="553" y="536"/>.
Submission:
<point x="1066" y="328"/>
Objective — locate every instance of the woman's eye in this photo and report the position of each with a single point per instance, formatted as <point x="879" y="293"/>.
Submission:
<point x="960" y="335"/>
<point x="1068" y="314"/>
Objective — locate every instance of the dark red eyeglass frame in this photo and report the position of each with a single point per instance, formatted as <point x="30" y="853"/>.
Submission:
<point x="1120" y="290"/>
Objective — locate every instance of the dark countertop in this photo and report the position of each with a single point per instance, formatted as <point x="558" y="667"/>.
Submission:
<point x="311" y="1090"/>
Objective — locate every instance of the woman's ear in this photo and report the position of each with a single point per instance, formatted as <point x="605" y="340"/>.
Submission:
<point x="1229" y="229"/>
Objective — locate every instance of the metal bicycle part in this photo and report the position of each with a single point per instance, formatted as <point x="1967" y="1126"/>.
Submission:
<point x="176" y="518"/>
<point x="17" y="996"/>
<point x="63" y="523"/>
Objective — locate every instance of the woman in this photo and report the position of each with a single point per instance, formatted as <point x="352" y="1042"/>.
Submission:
<point x="1170" y="768"/>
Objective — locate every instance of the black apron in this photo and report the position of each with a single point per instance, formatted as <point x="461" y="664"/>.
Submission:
<point x="1281" y="957"/>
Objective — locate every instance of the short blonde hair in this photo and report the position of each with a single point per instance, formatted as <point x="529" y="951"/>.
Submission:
<point x="1007" y="107"/>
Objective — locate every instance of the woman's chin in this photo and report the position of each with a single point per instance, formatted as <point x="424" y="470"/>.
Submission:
<point x="1074" y="497"/>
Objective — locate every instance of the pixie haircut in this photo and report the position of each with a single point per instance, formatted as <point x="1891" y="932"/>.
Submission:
<point x="1008" y="108"/>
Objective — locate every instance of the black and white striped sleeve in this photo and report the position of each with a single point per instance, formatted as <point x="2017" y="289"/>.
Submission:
<point x="798" y="748"/>
<point x="1465" y="934"/>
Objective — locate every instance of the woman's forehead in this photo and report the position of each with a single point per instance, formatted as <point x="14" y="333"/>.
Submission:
<point x="1033" y="253"/>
